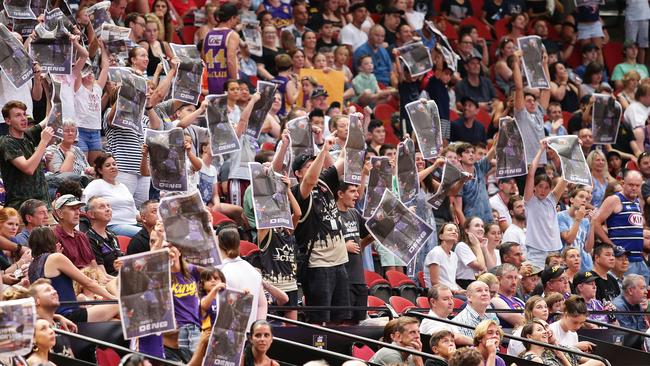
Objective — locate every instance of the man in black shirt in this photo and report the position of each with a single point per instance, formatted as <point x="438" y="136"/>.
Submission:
<point x="149" y="216"/>
<point x="606" y="285"/>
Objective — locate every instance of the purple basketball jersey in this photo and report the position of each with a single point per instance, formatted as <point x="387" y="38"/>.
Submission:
<point x="215" y="55"/>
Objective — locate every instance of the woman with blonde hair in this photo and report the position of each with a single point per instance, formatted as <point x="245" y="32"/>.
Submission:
<point x="487" y="337"/>
<point x="535" y="309"/>
<point x="157" y="49"/>
<point x="44" y="341"/>
<point x="630" y="82"/>
<point x="597" y="162"/>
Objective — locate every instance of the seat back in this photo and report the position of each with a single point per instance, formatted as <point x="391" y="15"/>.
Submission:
<point x="422" y="302"/>
<point x="362" y="351"/>
<point x="397" y="279"/>
<point x="400" y="304"/>
<point x="107" y="357"/>
<point x="123" y="242"/>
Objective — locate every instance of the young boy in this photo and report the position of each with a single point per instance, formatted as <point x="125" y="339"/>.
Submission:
<point x="442" y="346"/>
<point x="326" y="33"/>
<point x="365" y="84"/>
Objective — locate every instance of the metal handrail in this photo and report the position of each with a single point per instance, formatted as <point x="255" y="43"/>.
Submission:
<point x="617" y="327"/>
<point x="322" y="350"/>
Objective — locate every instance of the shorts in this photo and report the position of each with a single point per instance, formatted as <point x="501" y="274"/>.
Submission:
<point x="590" y="30"/>
<point x="637" y="30"/>
<point x="188" y="337"/>
<point x="77" y="316"/>
<point x="328" y="286"/>
<point x="358" y="297"/>
<point x="89" y="140"/>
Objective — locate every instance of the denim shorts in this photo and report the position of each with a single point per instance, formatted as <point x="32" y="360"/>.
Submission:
<point x="188" y="337"/>
<point x="89" y="140"/>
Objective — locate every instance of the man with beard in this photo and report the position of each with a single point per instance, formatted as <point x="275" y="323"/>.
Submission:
<point x="516" y="232"/>
<point x="506" y="299"/>
<point x="507" y="188"/>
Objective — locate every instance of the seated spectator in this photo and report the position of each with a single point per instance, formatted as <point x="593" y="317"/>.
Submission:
<point x="266" y="63"/>
<point x="476" y="86"/>
<point x="631" y="51"/>
<point x="442" y="346"/>
<point x="471" y="261"/>
<point x="441" y="303"/>
<point x="496" y="10"/>
<point x="584" y="284"/>
<point x="351" y="34"/>
<point x="636" y="115"/>
<point x="102" y="241"/>
<point x="530" y="279"/>
<point x="122" y="203"/>
<point x="631" y="299"/>
<point x="534" y="310"/>
<point x="590" y="53"/>
<point x="407" y="335"/>
<point x="630" y="82"/>
<point x="326" y="35"/>
<point x="593" y="79"/>
<point x="555" y="124"/>
<point x="487" y="338"/>
<point x="564" y="90"/>
<point x="261" y="339"/>
<point x="66" y="157"/>
<point x="455" y="11"/>
<point x="506" y="298"/>
<point x="380" y="57"/>
<point x="565" y="330"/>
<point x="75" y="244"/>
<point x="554" y="279"/>
<point x="467" y="356"/>
<point x="44" y="341"/>
<point x="537" y="331"/>
<point x="149" y="217"/>
<point x="442" y="262"/>
<point x="34" y="213"/>
<point x="365" y="84"/>
<point x="607" y="287"/>
<point x="478" y="300"/>
<point x="467" y="128"/>
<point x="502" y="68"/>
<point x="48" y="264"/>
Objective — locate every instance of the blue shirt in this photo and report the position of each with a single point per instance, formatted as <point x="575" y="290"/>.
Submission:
<point x="565" y="221"/>
<point x="628" y="321"/>
<point x="475" y="197"/>
<point x="380" y="59"/>
<point x="22" y="238"/>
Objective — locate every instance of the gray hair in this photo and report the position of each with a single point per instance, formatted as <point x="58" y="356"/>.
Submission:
<point x="631" y="281"/>
<point x="67" y="122"/>
<point x="504" y="268"/>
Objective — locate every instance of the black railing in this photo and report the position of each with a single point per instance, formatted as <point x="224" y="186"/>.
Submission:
<point x="321" y="351"/>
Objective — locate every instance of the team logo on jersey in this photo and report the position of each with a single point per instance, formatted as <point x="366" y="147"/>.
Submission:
<point x="215" y="39"/>
<point x="636" y="219"/>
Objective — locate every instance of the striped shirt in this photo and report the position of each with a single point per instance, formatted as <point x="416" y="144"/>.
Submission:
<point x="125" y="145"/>
<point x="625" y="228"/>
<point x="470" y="317"/>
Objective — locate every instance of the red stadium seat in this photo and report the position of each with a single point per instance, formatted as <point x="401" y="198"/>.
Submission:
<point x="384" y="112"/>
<point x="362" y="351"/>
<point x="446" y="28"/>
<point x="375" y="17"/>
<point x="631" y="165"/>
<point x="566" y="117"/>
<point x="375" y="302"/>
<point x="268" y="146"/>
<point x="484" y="117"/>
<point x="477" y="7"/>
<point x="403" y="285"/>
<point x="453" y="115"/>
<point x="246" y="248"/>
<point x="422" y="302"/>
<point x="377" y="285"/>
<point x="107" y="357"/>
<point x="613" y="55"/>
<point x="421" y="280"/>
<point x="401" y="304"/>
<point x="501" y="28"/>
<point x="481" y="28"/>
<point x="575" y="59"/>
<point x="123" y="242"/>
<point x="458" y="303"/>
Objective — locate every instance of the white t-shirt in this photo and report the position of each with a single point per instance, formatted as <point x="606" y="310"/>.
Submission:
<point x="8" y="93"/>
<point x="352" y="36"/>
<point x="543" y="230"/>
<point x="122" y="203"/>
<point x="497" y="203"/>
<point x="447" y="266"/>
<point x="465" y="257"/>
<point x="88" y="107"/>
<point x="242" y="276"/>
<point x="636" y="115"/>
<point x="637" y="10"/>
<point x="515" y="348"/>
<point x="415" y="19"/>
<point x="67" y="96"/>
<point x="515" y="234"/>
<point x="569" y="339"/>
<point x="429" y="326"/>
<point x="192" y="176"/>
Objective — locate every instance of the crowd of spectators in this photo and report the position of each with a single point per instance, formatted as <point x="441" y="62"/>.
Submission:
<point x="536" y="243"/>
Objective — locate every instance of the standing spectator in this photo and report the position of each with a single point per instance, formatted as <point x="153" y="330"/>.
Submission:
<point x="597" y="163"/>
<point x="116" y="11"/>
<point x="515" y="232"/>
<point x="21" y="152"/>
<point x="467" y="129"/>
<point x="507" y="189"/>
<point x="478" y="300"/>
<point x="630" y="82"/>
<point x="543" y="235"/>
<point x="75" y="244"/>
<point x="590" y="53"/>
<point x="607" y="287"/>
<point x="102" y="241"/>
<point x="299" y="23"/>
<point x="352" y="35"/>
<point x="631" y="52"/>
<point x="637" y="114"/>
<point x="637" y="19"/>
<point x="575" y="228"/>
<point x="220" y="50"/>
<point x="473" y="200"/>
<point x="34" y="213"/>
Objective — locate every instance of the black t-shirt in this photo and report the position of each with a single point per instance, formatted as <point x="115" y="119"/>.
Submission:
<point x="321" y="43"/>
<point x="623" y="139"/>
<point x="354" y="229"/>
<point x="268" y="59"/>
<point x="473" y="135"/>
<point x="607" y="289"/>
<point x="139" y="243"/>
<point x="106" y="250"/>
<point x="575" y="123"/>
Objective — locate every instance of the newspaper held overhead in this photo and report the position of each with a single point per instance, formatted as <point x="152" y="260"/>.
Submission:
<point x="511" y="152"/>
<point x="52" y="49"/>
<point x="450" y="175"/>
<point x="302" y="139"/>
<point x="397" y="228"/>
<point x="24" y="27"/>
<point x="226" y="343"/>
<point x="442" y="44"/>
<point x="111" y="32"/>
<point x="252" y="36"/>
<point x="131" y="100"/>
<point x="408" y="183"/>
<point x="381" y="178"/>
<point x="355" y="150"/>
<point x="167" y="159"/>
<point x="55" y="118"/>
<point x="425" y="120"/>
<point x="574" y="166"/>
<point x="532" y="50"/>
<point x="99" y="15"/>
<point x="145" y="296"/>
<point x="286" y="159"/>
<point x="270" y="198"/>
<point x="17" y="323"/>
<point x="117" y="42"/>
<point x="605" y="118"/>
<point x="261" y="108"/>
<point x="223" y="136"/>
<point x="416" y="57"/>
<point x="15" y="62"/>
<point x="188" y="225"/>
<point x="187" y="82"/>
<point x="18" y="9"/>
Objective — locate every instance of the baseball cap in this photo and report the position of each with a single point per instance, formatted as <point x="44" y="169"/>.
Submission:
<point x="583" y="277"/>
<point x="300" y="161"/>
<point x="67" y="200"/>
<point x="319" y="91"/>
<point x="619" y="251"/>
<point x="551" y="273"/>
<point x="393" y="10"/>
<point x="469" y="99"/>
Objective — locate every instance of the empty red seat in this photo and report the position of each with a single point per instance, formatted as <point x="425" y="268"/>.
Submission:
<point x="403" y="285"/>
<point x="375" y="302"/>
<point x="400" y="304"/>
<point x="612" y="55"/>
<point x="123" y="242"/>
<point x="384" y="112"/>
<point x="422" y="302"/>
<point x="377" y="286"/>
<point x="362" y="351"/>
<point x="421" y="279"/>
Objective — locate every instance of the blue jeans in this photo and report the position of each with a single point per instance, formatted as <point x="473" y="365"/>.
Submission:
<point x="125" y="230"/>
<point x="188" y="337"/>
<point x="89" y="140"/>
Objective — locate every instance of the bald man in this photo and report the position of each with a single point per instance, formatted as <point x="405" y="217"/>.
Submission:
<point x="478" y="300"/>
<point x="622" y="213"/>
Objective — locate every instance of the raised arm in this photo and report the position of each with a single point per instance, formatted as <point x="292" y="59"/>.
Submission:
<point x="530" y="178"/>
<point x="545" y="94"/>
<point x="278" y="159"/>
<point x="241" y="126"/>
<point x="518" y="80"/>
<point x="29" y="166"/>
<point x="190" y="118"/>
<point x="310" y="179"/>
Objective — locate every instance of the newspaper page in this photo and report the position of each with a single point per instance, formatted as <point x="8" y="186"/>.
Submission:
<point x="187" y="82"/>
<point x="425" y="120"/>
<point x="532" y="50"/>
<point x="416" y="57"/>
<point x="253" y="36"/>
<point x="223" y="136"/>
<point x="24" y="27"/>
<point x="38" y="7"/>
<point x="99" y="15"/>
<point x="381" y="178"/>
<point x="270" y="198"/>
<point x="408" y="183"/>
<point x="167" y="159"/>
<point x="188" y="225"/>
<point x="397" y="228"/>
<point x="52" y="50"/>
<point x="18" y="9"/>
<point x="131" y="100"/>
<point x="55" y="118"/>
<point x="450" y="175"/>
<point x="605" y="118"/>
<point x="15" y="62"/>
<point x="111" y="32"/>
<point x="145" y="294"/>
<point x="17" y="327"/>
<point x="510" y="149"/>
<point x="574" y="166"/>
<point x="261" y="108"/>
<point x="442" y="44"/>
<point x="302" y="139"/>
<point x="228" y="336"/>
<point x="355" y="150"/>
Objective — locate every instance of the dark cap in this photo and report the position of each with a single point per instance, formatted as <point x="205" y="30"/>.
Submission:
<point x="613" y="153"/>
<point x="619" y="251"/>
<point x="300" y="161"/>
<point x="629" y="43"/>
<point x="357" y="5"/>
<point x="589" y="47"/>
<point x="583" y="277"/>
<point x="505" y="180"/>
<point x="469" y="99"/>
<point x="392" y="10"/>
<point x="319" y="91"/>
<point x="551" y="273"/>
<point x="476" y="55"/>
<point x="226" y="11"/>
